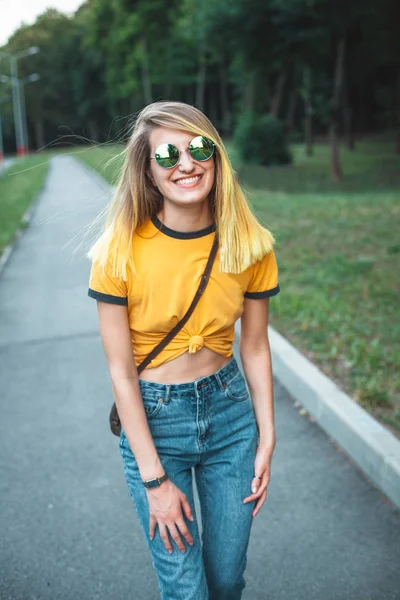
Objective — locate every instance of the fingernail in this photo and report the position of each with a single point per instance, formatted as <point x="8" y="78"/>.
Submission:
<point x="253" y="489"/>
<point x="192" y="518"/>
<point x="170" y="551"/>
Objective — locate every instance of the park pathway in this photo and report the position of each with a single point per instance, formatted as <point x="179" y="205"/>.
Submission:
<point x="5" y="164"/>
<point x="68" y="530"/>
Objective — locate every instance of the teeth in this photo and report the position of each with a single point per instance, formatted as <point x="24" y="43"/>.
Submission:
<point x="188" y="181"/>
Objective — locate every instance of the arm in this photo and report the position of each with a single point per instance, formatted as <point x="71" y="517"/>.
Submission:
<point x="256" y="359"/>
<point x="117" y="344"/>
<point x="167" y="501"/>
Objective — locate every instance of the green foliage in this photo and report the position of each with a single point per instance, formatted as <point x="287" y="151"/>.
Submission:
<point x="262" y="140"/>
<point x="229" y="56"/>
<point x="19" y="186"/>
<point x="106" y="159"/>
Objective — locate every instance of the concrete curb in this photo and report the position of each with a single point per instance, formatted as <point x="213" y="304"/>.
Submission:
<point x="373" y="447"/>
<point x="26" y="219"/>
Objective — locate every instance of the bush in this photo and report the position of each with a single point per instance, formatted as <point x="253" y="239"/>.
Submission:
<point x="261" y="140"/>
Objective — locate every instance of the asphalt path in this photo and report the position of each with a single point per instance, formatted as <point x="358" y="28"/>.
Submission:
<point x="5" y="164"/>
<point x="68" y="529"/>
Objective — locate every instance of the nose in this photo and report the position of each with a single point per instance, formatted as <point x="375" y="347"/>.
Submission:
<point x="186" y="162"/>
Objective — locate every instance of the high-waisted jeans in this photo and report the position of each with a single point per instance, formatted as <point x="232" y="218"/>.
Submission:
<point x="208" y="424"/>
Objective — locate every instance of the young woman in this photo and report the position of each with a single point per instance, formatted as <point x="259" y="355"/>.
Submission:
<point x="190" y="408"/>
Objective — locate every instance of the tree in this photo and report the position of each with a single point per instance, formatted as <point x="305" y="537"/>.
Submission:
<point x="50" y="102"/>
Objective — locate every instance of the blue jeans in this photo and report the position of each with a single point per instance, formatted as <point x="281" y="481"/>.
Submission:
<point x="208" y="424"/>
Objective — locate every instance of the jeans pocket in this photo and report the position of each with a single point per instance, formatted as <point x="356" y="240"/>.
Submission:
<point x="152" y="404"/>
<point x="236" y="388"/>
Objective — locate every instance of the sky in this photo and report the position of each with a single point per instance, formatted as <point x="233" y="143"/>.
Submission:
<point x="15" y="12"/>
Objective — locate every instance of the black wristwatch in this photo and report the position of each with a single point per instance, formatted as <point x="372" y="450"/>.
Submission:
<point x="156" y="482"/>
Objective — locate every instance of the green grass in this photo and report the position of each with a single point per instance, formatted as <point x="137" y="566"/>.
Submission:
<point x="338" y="252"/>
<point x="105" y="159"/>
<point x="19" y="186"/>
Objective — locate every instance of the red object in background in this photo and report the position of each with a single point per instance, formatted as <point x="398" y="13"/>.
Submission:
<point x="22" y="150"/>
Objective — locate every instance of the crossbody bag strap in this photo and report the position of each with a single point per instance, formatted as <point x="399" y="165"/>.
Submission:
<point x="200" y="290"/>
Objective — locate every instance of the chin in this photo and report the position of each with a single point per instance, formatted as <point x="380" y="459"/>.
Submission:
<point x="185" y="200"/>
<point x="188" y="197"/>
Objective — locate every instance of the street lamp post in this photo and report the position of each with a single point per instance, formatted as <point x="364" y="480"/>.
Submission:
<point x="4" y="79"/>
<point x="22" y="83"/>
<point x="19" y="117"/>
<point x="22" y="127"/>
<point x="17" y="105"/>
<point x="1" y="132"/>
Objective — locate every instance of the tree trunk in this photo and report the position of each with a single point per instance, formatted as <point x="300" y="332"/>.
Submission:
<point x="213" y="104"/>
<point x="168" y="86"/>
<point x="167" y="89"/>
<point x="348" y="127"/>
<point x="277" y="96"/>
<point x="308" y="128"/>
<point x="145" y="71"/>
<point x="39" y="133"/>
<point x="223" y="93"/>
<point x="336" y="169"/>
<point x="93" y="131"/>
<point x="347" y="117"/>
<point x="308" y="111"/>
<point x="201" y="81"/>
<point x="398" y="112"/>
<point x="293" y="96"/>
<point x="249" y="91"/>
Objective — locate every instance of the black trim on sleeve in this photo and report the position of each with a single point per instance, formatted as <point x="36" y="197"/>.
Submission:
<point x="108" y="298"/>
<point x="266" y="294"/>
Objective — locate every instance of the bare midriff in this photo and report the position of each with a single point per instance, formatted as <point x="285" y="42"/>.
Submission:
<point x="186" y="367"/>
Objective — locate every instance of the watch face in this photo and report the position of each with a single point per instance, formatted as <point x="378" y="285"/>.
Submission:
<point x="152" y="483"/>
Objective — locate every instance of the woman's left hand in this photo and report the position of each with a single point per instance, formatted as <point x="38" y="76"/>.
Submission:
<point x="262" y="467"/>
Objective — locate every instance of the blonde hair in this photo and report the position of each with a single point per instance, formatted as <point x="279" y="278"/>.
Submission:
<point x="242" y="239"/>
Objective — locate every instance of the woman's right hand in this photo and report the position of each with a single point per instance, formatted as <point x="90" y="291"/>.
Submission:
<point x="165" y="504"/>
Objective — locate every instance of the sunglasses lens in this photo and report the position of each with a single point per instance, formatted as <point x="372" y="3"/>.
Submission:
<point x="167" y="155"/>
<point x="201" y="148"/>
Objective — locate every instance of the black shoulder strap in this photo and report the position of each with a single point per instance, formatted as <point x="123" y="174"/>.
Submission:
<point x="170" y="336"/>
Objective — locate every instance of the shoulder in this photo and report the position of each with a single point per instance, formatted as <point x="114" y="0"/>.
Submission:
<point x="264" y="277"/>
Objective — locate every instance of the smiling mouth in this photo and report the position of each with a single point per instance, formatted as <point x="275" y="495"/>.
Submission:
<point x="188" y="181"/>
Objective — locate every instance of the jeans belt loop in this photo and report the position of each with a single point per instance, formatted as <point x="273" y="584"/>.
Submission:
<point x="167" y="393"/>
<point x="222" y="386"/>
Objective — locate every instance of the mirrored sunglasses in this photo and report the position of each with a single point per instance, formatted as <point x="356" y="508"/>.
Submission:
<point x="167" y="155"/>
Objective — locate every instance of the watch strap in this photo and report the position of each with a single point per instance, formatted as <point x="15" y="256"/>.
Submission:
<point x="155" y="482"/>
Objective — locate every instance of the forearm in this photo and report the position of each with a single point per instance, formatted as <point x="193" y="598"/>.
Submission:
<point x="133" y="419"/>
<point x="257" y="366"/>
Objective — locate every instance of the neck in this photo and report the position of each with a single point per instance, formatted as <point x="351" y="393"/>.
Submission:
<point x="186" y="218"/>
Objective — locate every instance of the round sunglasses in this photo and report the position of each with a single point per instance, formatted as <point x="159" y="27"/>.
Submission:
<point x="167" y="155"/>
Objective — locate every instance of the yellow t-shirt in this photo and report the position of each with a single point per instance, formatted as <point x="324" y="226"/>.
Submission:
<point x="169" y="266"/>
